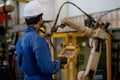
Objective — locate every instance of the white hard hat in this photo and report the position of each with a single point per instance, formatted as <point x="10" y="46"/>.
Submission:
<point x="33" y="8"/>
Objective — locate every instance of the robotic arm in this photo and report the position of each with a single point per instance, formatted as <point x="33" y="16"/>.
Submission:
<point x="98" y="33"/>
<point x="95" y="35"/>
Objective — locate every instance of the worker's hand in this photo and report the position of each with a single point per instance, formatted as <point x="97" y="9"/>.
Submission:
<point x="63" y="60"/>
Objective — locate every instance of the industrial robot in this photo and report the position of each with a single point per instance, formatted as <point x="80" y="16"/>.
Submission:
<point x="96" y="36"/>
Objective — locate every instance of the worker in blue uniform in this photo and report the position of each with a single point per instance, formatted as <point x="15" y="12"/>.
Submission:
<point x="32" y="50"/>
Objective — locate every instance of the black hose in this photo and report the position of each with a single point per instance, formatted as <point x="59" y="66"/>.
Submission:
<point x="54" y="28"/>
<point x="108" y="12"/>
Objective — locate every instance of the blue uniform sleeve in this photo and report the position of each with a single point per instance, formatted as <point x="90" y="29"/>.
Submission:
<point x="19" y="52"/>
<point x="43" y="57"/>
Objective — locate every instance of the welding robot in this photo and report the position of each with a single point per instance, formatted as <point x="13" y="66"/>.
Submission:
<point x="96" y="37"/>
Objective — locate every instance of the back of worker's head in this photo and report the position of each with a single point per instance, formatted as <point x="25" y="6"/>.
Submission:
<point x="32" y="12"/>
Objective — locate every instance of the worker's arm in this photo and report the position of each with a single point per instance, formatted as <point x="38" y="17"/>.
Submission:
<point x="43" y="57"/>
<point x="19" y="52"/>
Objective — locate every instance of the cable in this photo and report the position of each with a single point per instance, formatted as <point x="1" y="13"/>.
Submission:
<point x="108" y="12"/>
<point x="54" y="28"/>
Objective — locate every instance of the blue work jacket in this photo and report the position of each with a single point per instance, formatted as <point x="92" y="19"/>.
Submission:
<point x="34" y="56"/>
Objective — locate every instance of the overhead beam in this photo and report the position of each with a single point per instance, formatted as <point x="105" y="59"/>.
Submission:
<point x="23" y="0"/>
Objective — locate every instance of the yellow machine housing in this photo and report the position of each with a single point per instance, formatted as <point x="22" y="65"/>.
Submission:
<point x="80" y="39"/>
